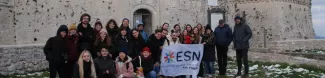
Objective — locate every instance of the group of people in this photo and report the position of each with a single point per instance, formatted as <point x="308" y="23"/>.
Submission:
<point x="83" y="51"/>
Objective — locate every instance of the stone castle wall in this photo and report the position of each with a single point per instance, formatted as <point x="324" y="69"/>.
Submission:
<point x="20" y="59"/>
<point x="273" y="20"/>
<point x="277" y="25"/>
<point x="34" y="21"/>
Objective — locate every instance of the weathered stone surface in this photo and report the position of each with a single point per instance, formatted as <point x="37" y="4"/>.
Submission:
<point x="30" y="22"/>
<point x="292" y="45"/>
<point x="23" y="61"/>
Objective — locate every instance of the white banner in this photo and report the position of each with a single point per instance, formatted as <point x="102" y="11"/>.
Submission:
<point x="181" y="59"/>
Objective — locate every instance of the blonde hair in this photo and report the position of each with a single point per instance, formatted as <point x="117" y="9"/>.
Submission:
<point x="80" y="63"/>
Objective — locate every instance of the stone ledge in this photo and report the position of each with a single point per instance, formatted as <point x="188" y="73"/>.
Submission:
<point x="300" y="2"/>
<point x="21" y="59"/>
<point x="292" y="45"/>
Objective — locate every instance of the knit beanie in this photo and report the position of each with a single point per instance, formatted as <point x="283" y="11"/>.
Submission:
<point x="73" y="27"/>
<point x="146" y="49"/>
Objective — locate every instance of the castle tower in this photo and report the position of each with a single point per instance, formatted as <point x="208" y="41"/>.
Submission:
<point x="272" y="20"/>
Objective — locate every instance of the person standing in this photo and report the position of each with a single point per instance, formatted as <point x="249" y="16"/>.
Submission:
<point x="208" y="40"/>
<point x="188" y="28"/>
<point x="101" y="40"/>
<point x="201" y="28"/>
<point x="55" y="51"/>
<point x="72" y="44"/>
<point x="98" y="27"/>
<point x="173" y="39"/>
<point x="86" y="33"/>
<point x="223" y="34"/>
<point x="125" y="24"/>
<point x="177" y="29"/>
<point x="123" y="42"/>
<point x="137" y="43"/>
<point x="164" y="36"/>
<point x="142" y="32"/>
<point x="165" y="26"/>
<point x="242" y="34"/>
<point x="112" y="29"/>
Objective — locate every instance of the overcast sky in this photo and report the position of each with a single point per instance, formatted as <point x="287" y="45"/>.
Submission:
<point x="318" y="13"/>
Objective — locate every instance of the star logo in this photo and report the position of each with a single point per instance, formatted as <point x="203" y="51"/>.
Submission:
<point x="169" y="57"/>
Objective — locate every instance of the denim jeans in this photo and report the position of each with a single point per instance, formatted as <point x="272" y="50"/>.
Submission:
<point x="151" y="74"/>
<point x="209" y="68"/>
<point x="156" y="69"/>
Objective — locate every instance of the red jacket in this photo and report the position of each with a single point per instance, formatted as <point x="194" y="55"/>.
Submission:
<point x="72" y="44"/>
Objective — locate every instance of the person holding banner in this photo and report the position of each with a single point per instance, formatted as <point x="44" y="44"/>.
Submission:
<point x="173" y="39"/>
<point x="183" y="36"/>
<point x="155" y="44"/>
<point x="242" y="34"/>
<point x="209" y="56"/>
<point x="223" y="39"/>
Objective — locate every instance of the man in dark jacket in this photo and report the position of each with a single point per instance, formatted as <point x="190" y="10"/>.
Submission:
<point x="223" y="37"/>
<point x="242" y="34"/>
<point x="55" y="51"/>
<point x="155" y="47"/>
<point x="86" y="33"/>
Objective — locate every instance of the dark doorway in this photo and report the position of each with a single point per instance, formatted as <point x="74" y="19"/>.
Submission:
<point x="143" y="16"/>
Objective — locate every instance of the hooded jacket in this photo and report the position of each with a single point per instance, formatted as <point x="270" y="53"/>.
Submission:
<point x="124" y="68"/>
<point x="55" y="48"/>
<point x="242" y="34"/>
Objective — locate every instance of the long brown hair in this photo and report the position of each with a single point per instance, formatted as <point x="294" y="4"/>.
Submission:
<point x="112" y="21"/>
<point x="81" y="68"/>
<point x="196" y="36"/>
<point x="182" y="35"/>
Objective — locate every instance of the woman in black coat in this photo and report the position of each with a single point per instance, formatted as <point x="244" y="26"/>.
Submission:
<point x="123" y="42"/>
<point x="209" y="54"/>
<point x="137" y="43"/>
<point x="105" y="67"/>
